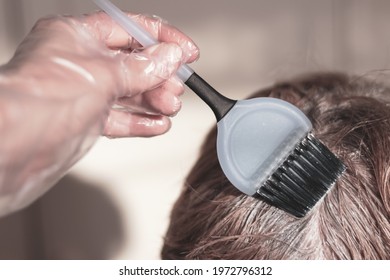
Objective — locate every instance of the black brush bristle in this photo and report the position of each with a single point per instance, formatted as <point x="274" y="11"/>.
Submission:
<point x="303" y="178"/>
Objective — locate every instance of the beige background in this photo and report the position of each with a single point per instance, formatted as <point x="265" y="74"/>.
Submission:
<point x="115" y="203"/>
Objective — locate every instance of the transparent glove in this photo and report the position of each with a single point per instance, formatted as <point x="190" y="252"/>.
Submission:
<point x="73" y="79"/>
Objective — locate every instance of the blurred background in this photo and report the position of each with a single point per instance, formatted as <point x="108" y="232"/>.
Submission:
<point x="115" y="203"/>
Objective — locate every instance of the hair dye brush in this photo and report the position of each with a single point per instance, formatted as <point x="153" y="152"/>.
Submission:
<point x="264" y="145"/>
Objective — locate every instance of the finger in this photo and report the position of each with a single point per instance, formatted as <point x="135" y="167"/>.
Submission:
<point x="163" y="100"/>
<point x="148" y="69"/>
<point x="124" y="124"/>
<point x="164" y="32"/>
<point x="114" y="36"/>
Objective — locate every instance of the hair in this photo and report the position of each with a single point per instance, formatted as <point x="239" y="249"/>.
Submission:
<point x="351" y="115"/>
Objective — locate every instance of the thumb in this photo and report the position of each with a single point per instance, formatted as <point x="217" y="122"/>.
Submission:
<point x="147" y="69"/>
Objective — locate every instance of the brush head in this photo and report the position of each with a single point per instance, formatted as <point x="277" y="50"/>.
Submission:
<point x="303" y="178"/>
<point x="266" y="150"/>
<point x="255" y="138"/>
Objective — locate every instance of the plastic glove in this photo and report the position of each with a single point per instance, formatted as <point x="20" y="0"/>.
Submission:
<point x="61" y="89"/>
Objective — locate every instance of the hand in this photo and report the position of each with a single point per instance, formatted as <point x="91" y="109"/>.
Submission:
<point x="93" y="58"/>
<point x="63" y="88"/>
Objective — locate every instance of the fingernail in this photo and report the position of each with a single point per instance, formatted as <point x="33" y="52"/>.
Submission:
<point x="193" y="51"/>
<point x="151" y="122"/>
<point x="193" y="47"/>
<point x="168" y="59"/>
<point x="173" y="53"/>
<point x="168" y="51"/>
<point x="176" y="106"/>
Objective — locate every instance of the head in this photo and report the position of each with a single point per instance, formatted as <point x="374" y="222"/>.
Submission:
<point x="351" y="115"/>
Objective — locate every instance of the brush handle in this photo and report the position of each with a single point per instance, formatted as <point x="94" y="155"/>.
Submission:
<point x="220" y="104"/>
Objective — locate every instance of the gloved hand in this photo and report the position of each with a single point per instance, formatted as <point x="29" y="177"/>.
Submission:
<point x="73" y="79"/>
